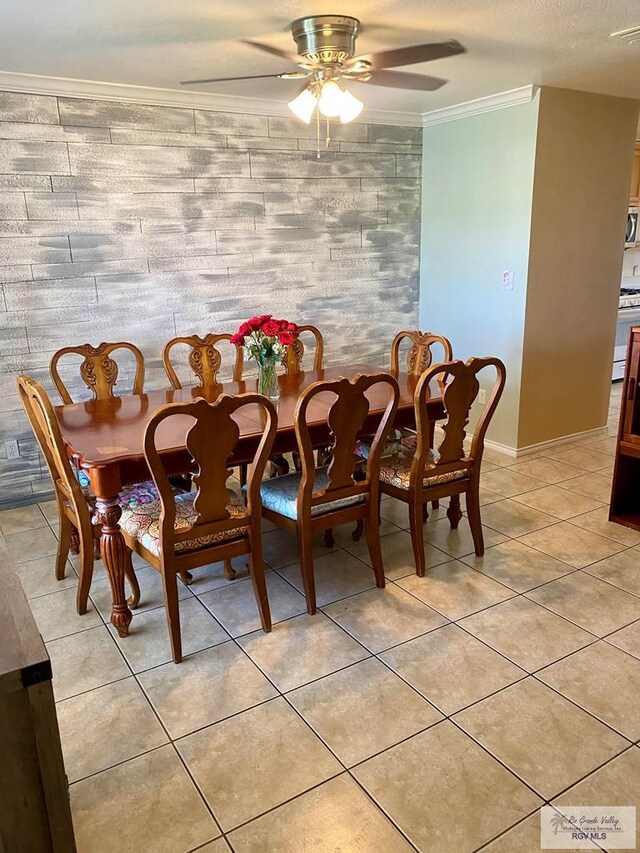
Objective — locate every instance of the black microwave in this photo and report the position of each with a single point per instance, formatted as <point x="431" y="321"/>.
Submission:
<point x="632" y="235"/>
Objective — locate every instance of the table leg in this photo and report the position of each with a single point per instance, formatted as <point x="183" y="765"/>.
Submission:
<point x="114" y="557"/>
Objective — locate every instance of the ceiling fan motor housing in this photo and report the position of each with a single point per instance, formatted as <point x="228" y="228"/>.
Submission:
<point x="326" y="39"/>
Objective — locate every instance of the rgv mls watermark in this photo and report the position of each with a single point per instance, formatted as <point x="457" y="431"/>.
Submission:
<point x="588" y="827"/>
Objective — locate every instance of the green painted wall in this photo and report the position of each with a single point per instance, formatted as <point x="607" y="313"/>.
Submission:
<point x="476" y="219"/>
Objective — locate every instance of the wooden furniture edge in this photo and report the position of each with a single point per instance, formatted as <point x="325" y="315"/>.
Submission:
<point x="23" y="656"/>
<point x="35" y="813"/>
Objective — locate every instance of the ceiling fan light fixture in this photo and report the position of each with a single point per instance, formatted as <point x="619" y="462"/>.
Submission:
<point x="350" y="107"/>
<point x="331" y="99"/>
<point x="327" y="57"/>
<point x="304" y="105"/>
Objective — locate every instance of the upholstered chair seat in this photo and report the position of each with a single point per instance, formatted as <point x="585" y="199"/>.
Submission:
<point x="396" y="471"/>
<point x="409" y="441"/>
<point x="83" y="478"/>
<point x="395" y="464"/>
<point x="280" y="494"/>
<point x="141" y="521"/>
<point x="133" y="495"/>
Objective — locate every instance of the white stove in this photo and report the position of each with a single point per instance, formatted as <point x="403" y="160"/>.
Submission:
<point x="629" y="297"/>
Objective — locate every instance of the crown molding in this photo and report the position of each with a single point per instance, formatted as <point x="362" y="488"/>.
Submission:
<point x="35" y="84"/>
<point x="523" y="95"/>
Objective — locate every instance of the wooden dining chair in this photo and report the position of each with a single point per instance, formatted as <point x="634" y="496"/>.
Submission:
<point x="419" y="355"/>
<point x="418" y="359"/>
<point x="178" y="533"/>
<point x="75" y="505"/>
<point x="293" y="367"/>
<point x="295" y="352"/>
<point x="98" y="370"/>
<point x="319" y="498"/>
<point x="205" y="359"/>
<point x="422" y="476"/>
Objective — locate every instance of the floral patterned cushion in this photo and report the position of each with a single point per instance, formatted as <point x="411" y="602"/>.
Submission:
<point x="363" y="446"/>
<point x="139" y="493"/>
<point x="134" y="495"/>
<point x="280" y="494"/>
<point x="142" y="522"/>
<point x="395" y="470"/>
<point x="395" y="446"/>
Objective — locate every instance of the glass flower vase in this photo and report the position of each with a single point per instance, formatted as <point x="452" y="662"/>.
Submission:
<point x="268" y="379"/>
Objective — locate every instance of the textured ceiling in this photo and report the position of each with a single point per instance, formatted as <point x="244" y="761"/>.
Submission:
<point x="157" y="42"/>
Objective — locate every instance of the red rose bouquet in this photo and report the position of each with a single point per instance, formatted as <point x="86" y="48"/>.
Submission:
<point x="265" y="340"/>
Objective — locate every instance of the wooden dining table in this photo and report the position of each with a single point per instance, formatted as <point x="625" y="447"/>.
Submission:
<point x="105" y="439"/>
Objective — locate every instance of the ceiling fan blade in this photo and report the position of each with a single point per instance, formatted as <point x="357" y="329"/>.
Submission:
<point x="401" y="80"/>
<point x="409" y="55"/>
<point x="287" y="75"/>
<point x="274" y="51"/>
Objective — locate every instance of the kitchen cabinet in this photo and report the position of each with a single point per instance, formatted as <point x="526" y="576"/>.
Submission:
<point x="634" y="193"/>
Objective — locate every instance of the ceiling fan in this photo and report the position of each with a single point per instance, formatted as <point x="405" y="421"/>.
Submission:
<point x="327" y="56"/>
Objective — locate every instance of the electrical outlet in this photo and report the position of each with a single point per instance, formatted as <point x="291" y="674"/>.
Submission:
<point x="13" y="451"/>
<point x="482" y="396"/>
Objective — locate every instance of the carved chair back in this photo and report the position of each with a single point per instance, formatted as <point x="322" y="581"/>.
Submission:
<point x="205" y="359"/>
<point x="346" y="419"/>
<point x="419" y="355"/>
<point x="44" y="423"/>
<point x="295" y="352"/>
<point x="211" y="458"/>
<point x="458" y="397"/>
<point x="98" y="370"/>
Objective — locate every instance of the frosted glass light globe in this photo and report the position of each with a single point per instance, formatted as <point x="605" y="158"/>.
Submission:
<point x="304" y="105"/>
<point x="350" y="108"/>
<point x="331" y="98"/>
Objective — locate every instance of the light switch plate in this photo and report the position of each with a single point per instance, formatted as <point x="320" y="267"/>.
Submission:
<point x="507" y="280"/>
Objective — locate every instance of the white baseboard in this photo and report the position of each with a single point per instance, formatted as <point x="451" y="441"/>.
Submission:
<point x="522" y="452"/>
<point x="501" y="448"/>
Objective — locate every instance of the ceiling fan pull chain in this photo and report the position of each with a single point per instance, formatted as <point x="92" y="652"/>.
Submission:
<point x="328" y="134"/>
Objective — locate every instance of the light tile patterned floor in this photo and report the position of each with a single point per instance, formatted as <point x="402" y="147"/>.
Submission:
<point x="437" y="715"/>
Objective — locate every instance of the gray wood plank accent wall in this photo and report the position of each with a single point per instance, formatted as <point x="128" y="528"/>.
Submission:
<point x="135" y="222"/>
